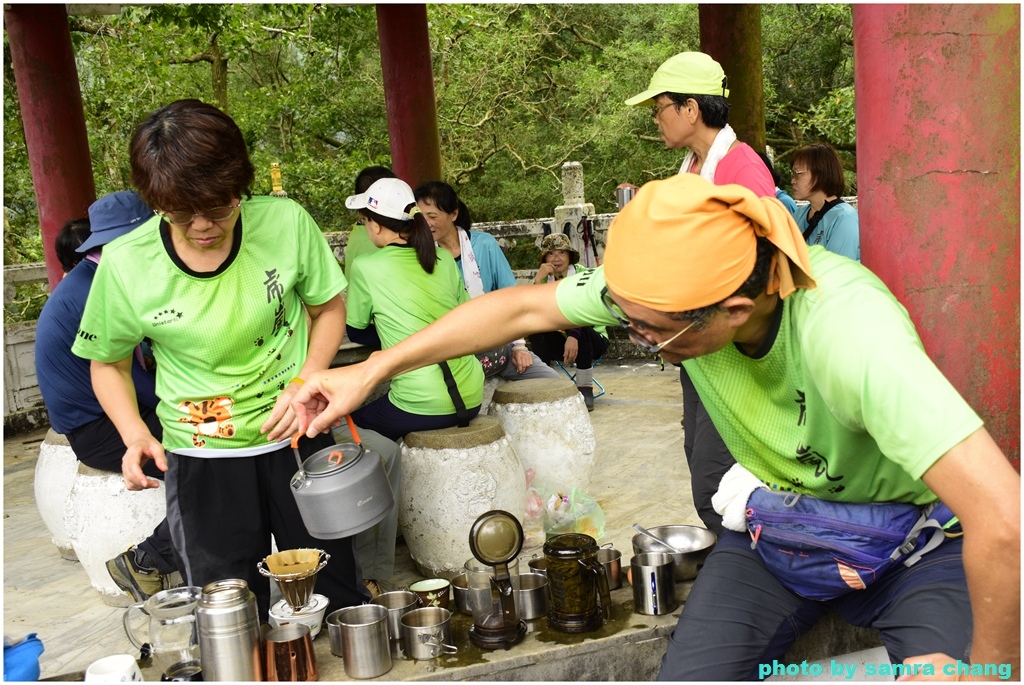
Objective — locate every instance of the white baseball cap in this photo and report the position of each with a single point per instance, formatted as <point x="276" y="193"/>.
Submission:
<point x="388" y="197"/>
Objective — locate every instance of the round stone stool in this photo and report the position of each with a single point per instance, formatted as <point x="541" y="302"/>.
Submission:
<point x="549" y="428"/>
<point x="103" y="518"/>
<point x="55" y="474"/>
<point x="450" y="477"/>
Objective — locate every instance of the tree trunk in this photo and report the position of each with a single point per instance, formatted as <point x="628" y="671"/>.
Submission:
<point x="731" y="34"/>
<point x="219" y="69"/>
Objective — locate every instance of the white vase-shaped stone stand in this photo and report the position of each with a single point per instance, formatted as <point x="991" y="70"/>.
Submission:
<point x="548" y="425"/>
<point x="450" y="477"/>
<point x="103" y="519"/>
<point x="56" y="469"/>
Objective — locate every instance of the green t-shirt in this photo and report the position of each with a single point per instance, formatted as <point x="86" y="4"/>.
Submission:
<point x="391" y="290"/>
<point x="227" y="342"/>
<point x="845" y="405"/>
<point x="358" y="244"/>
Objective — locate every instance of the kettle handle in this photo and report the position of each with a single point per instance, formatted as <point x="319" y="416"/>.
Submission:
<point x="127" y="624"/>
<point x="352" y="428"/>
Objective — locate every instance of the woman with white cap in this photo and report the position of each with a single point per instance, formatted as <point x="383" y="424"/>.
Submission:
<point x="398" y="290"/>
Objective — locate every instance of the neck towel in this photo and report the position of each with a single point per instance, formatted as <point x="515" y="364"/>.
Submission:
<point x="470" y="268"/>
<point x="709" y="234"/>
<point x="720" y="148"/>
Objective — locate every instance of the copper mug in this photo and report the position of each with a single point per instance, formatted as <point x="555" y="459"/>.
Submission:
<point x="289" y="654"/>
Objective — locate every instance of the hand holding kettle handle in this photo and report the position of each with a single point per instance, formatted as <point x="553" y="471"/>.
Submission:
<point x="127" y="624"/>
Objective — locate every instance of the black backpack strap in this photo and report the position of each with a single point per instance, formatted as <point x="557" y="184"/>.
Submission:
<point x="453" y="391"/>
<point x="812" y="223"/>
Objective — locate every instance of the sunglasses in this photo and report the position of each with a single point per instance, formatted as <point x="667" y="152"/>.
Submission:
<point x="186" y="218"/>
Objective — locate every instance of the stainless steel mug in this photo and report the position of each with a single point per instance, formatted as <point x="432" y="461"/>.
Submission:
<point x="229" y="631"/>
<point x="654" y="584"/>
<point x="611" y="559"/>
<point x="364" y="640"/>
<point x="290" y="655"/>
<point x="533" y="596"/>
<point x="398" y="603"/>
<point x="427" y="633"/>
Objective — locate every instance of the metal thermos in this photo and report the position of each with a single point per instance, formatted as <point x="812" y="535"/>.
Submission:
<point x="229" y="632"/>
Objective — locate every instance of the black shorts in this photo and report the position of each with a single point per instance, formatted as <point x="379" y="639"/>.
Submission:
<point x="99" y="445"/>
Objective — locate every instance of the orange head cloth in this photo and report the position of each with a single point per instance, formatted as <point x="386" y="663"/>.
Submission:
<point x="684" y="243"/>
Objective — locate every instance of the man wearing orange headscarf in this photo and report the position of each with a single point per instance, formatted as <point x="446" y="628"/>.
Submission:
<point x="819" y="384"/>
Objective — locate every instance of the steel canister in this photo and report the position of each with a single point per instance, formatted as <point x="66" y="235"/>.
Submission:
<point x="229" y="632"/>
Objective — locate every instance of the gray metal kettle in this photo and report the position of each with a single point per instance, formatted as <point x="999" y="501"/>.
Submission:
<point x="342" y="490"/>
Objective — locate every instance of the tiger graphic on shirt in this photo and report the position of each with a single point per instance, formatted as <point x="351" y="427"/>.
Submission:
<point x="211" y="418"/>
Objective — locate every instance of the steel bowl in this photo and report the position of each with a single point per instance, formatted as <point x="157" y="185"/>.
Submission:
<point x="694" y="542"/>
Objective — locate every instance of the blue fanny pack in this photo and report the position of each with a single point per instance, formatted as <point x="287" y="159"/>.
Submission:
<point x="823" y="550"/>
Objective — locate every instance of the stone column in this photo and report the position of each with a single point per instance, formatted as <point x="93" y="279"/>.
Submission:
<point x="574" y="207"/>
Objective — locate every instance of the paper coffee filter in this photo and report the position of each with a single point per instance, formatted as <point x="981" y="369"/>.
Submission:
<point x="293" y="561"/>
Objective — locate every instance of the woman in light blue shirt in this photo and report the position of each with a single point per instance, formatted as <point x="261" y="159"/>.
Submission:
<point x="827" y="220"/>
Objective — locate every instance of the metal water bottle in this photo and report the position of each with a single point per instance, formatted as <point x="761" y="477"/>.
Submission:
<point x="229" y="632"/>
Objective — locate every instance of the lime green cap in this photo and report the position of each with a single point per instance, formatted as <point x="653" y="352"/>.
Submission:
<point x="690" y="73"/>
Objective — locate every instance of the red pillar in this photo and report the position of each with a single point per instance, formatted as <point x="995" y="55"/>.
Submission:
<point x="938" y="175"/>
<point x="51" y="109"/>
<point x="409" y="92"/>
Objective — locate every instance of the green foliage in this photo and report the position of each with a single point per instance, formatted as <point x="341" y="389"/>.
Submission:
<point x="520" y="88"/>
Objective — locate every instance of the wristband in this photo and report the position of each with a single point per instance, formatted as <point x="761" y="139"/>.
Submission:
<point x="519" y="344"/>
<point x="297" y="381"/>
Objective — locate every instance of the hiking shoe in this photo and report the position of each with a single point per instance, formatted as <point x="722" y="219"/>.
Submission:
<point x="374" y="587"/>
<point x="588" y="396"/>
<point x="138" y="582"/>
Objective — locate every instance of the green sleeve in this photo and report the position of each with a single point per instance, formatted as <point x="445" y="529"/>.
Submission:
<point x="110" y="327"/>
<point x="579" y="299"/>
<point x="873" y="373"/>
<point x="321" y="276"/>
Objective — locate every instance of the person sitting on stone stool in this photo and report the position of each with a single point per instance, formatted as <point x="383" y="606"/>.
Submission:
<point x="582" y="345"/>
<point x="65" y="384"/>
<point x="397" y="291"/>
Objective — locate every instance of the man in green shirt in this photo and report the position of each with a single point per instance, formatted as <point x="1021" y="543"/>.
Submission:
<point x="818" y="383"/>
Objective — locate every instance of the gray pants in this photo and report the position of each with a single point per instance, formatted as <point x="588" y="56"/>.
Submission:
<point x="375" y="547"/>
<point x="738" y="619"/>
<point x="536" y="370"/>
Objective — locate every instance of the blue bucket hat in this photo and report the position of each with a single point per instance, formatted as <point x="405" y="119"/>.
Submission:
<point x="112" y="216"/>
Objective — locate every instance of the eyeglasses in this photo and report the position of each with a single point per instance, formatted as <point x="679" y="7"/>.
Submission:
<point x="796" y="174"/>
<point x="656" y="109"/>
<point x="215" y="214"/>
<point x="635" y="335"/>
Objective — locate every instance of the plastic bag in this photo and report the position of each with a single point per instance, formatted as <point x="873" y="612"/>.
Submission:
<point x="576" y="512"/>
<point x="533" y="523"/>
